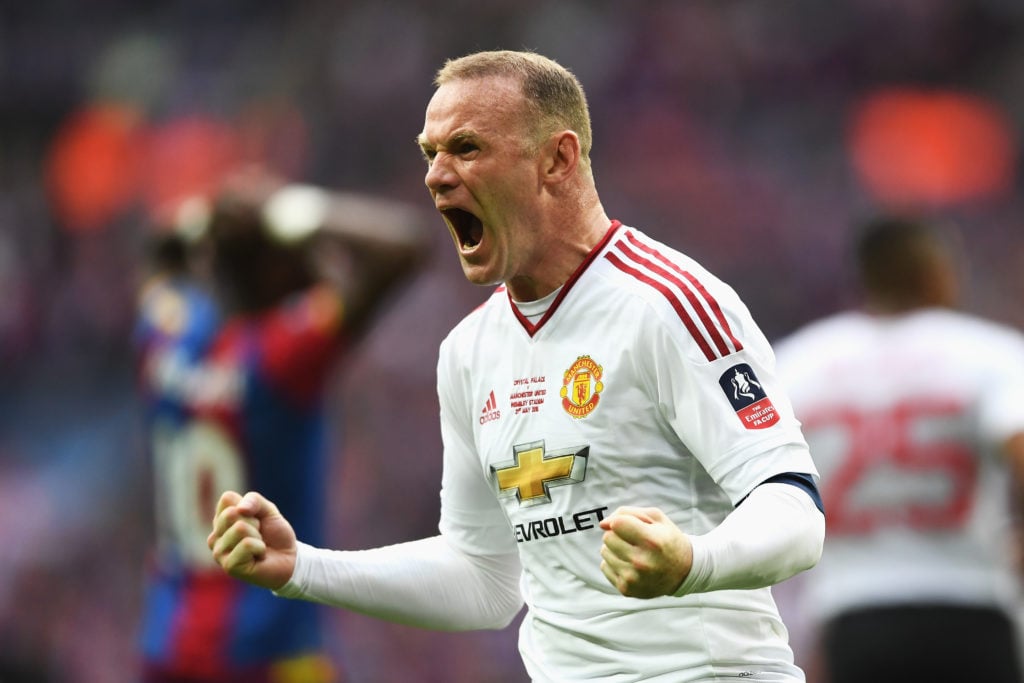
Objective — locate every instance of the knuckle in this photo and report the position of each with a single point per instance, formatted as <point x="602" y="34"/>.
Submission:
<point x="240" y="527"/>
<point x="628" y="576"/>
<point x="640" y="564"/>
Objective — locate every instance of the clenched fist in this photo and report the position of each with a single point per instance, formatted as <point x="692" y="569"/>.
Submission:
<point x="644" y="554"/>
<point x="252" y="541"/>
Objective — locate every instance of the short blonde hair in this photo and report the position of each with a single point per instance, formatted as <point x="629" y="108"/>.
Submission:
<point x="551" y="91"/>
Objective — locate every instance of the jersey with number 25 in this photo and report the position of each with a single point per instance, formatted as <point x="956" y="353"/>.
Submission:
<point x="904" y="416"/>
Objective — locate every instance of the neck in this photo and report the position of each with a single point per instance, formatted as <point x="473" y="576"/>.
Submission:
<point x="561" y="255"/>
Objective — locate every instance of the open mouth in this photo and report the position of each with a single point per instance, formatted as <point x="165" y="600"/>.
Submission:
<point x="468" y="228"/>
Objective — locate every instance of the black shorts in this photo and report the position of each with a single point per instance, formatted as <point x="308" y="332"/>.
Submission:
<point x="933" y="644"/>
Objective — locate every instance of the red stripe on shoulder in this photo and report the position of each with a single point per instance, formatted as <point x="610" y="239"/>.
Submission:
<point x="696" y="284"/>
<point x="672" y="299"/>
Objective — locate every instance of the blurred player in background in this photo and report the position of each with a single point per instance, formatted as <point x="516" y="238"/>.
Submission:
<point x="238" y="331"/>
<point x="617" y="451"/>
<point x="914" y="415"/>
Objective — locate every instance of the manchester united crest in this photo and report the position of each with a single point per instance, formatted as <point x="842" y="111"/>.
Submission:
<point x="582" y="387"/>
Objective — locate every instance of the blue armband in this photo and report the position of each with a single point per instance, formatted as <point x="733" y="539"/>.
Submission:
<point x="801" y="480"/>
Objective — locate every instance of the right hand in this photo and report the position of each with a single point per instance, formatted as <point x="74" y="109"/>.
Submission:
<point x="643" y="553"/>
<point x="252" y="541"/>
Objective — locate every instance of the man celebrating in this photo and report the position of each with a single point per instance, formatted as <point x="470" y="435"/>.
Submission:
<point x="596" y="464"/>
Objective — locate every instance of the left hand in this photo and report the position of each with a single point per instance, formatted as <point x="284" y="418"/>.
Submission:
<point x="644" y="555"/>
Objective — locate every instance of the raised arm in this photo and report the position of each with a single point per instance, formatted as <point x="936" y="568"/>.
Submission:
<point x="364" y="244"/>
<point x="426" y="583"/>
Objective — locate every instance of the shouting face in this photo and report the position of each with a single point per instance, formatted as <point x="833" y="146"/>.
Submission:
<point x="484" y="176"/>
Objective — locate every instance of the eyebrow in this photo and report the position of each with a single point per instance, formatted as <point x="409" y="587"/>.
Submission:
<point x="451" y="142"/>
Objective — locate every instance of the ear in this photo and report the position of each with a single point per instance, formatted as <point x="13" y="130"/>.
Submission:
<point x="562" y="157"/>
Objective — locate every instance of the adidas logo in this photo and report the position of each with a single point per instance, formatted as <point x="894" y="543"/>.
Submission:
<point x="490" y="412"/>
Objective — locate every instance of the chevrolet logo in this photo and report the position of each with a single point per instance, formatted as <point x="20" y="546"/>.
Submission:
<point x="531" y="473"/>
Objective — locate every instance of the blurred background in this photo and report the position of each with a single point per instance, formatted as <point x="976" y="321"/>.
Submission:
<point x="750" y="134"/>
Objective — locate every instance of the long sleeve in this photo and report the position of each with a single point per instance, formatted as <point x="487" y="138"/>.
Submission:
<point x="425" y="583"/>
<point x="772" y="535"/>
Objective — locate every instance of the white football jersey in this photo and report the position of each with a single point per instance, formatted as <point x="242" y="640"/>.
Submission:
<point x="646" y="383"/>
<point x="904" y="415"/>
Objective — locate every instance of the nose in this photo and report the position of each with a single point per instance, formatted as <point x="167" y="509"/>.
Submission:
<point x="440" y="175"/>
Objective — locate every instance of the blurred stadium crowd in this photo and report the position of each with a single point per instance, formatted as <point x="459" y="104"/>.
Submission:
<point x="750" y="134"/>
